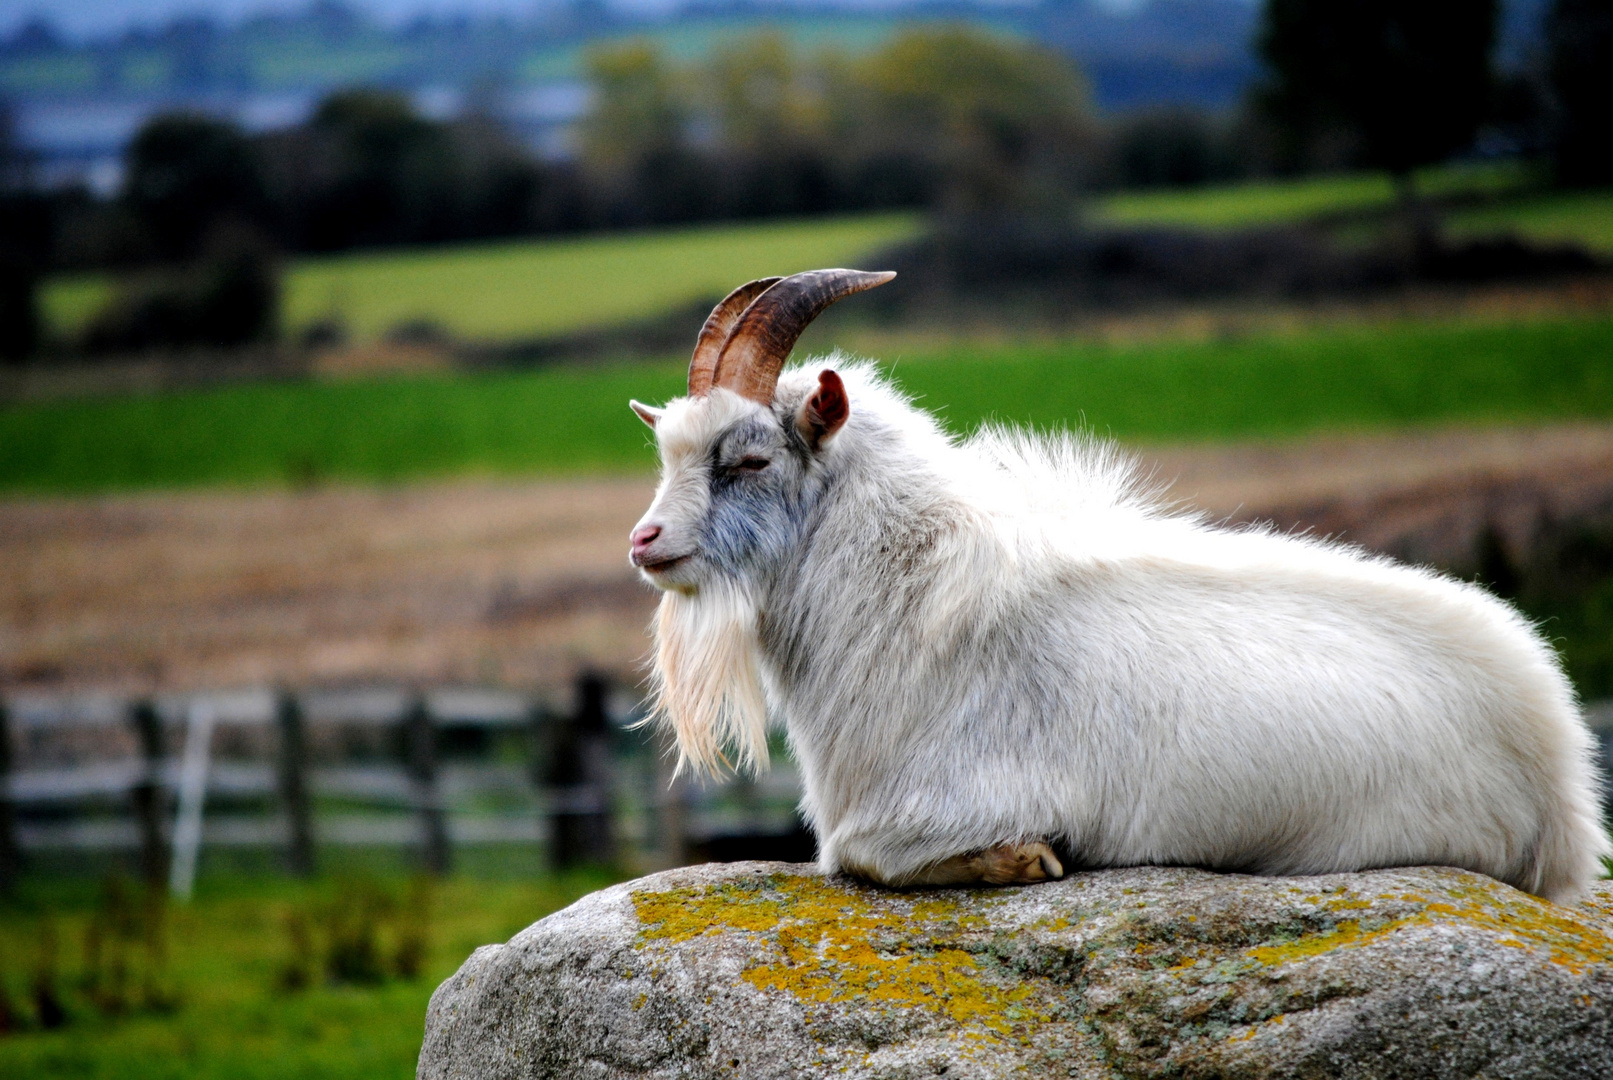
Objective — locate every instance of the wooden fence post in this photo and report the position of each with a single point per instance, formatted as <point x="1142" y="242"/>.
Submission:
<point x="421" y="736"/>
<point x="10" y="848"/>
<point x="579" y="779"/>
<point x="147" y="794"/>
<point x="294" y="786"/>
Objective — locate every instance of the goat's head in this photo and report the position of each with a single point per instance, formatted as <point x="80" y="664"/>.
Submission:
<point x="734" y="461"/>
<point x="735" y="465"/>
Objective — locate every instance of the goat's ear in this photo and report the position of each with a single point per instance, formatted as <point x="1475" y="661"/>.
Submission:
<point x="825" y="412"/>
<point x="645" y="413"/>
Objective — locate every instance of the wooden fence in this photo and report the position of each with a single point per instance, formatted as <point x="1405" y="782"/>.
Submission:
<point x="429" y="770"/>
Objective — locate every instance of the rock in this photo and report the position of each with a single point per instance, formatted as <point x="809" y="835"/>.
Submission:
<point x="764" y="970"/>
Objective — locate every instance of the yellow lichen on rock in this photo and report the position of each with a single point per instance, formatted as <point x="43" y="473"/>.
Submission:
<point x="825" y="942"/>
<point x="1519" y="920"/>
<point x="1346" y="933"/>
<point x="1570" y="940"/>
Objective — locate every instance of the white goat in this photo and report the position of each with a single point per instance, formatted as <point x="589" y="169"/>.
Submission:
<point x="994" y="653"/>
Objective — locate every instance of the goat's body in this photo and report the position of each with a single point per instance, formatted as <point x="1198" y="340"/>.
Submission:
<point x="1007" y="640"/>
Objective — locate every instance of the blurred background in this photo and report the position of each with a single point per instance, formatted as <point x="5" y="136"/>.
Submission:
<point x="320" y="657"/>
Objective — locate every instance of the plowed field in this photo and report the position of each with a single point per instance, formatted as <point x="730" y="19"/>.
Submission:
<point x="522" y="583"/>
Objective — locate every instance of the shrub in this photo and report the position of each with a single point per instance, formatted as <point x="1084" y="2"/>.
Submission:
<point x="229" y="298"/>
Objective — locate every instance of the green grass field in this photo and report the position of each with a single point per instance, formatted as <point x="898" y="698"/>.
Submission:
<point x="227" y="951"/>
<point x="574" y="420"/>
<point x="1513" y="203"/>
<point x="1240" y="206"/>
<point x="535" y="288"/>
<point x="1582" y="217"/>
<point x="1286" y="201"/>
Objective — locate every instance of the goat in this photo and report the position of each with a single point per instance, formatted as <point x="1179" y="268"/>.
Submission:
<point x="999" y="655"/>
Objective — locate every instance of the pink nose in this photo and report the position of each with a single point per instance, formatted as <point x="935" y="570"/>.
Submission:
<point x="644" y="536"/>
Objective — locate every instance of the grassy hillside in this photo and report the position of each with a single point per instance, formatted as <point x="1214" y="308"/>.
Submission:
<point x="575" y="420"/>
<point x="1508" y="195"/>
<point x="1282" y="201"/>
<point x="1243" y="205"/>
<point x="531" y="288"/>
<point x="1582" y="217"/>
<point x="229" y="1017"/>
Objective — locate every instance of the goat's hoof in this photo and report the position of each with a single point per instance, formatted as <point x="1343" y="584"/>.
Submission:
<point x="1019" y="864"/>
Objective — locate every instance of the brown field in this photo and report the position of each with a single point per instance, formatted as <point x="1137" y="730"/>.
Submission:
<point x="522" y="584"/>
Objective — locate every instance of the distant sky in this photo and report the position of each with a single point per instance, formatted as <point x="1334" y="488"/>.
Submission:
<point x="94" y="18"/>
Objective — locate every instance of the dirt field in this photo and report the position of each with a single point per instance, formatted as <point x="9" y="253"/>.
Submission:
<point x="522" y="584"/>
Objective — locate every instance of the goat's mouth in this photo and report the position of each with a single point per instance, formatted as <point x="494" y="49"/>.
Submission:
<point x="661" y="565"/>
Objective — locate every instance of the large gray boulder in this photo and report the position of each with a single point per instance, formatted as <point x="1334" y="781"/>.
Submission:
<point x="774" y="970"/>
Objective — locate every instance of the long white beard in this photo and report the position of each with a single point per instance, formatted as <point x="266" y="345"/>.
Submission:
<point x="706" y="683"/>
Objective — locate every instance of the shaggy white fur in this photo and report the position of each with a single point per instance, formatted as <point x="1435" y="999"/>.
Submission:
<point x="1012" y="639"/>
<point x="705" y="681"/>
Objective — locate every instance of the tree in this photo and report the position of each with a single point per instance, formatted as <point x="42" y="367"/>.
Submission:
<point x="635" y="139"/>
<point x="999" y="124"/>
<point x="1579" y="36"/>
<point x="638" y="108"/>
<point x="365" y="169"/>
<point x="187" y="174"/>
<point x="768" y="112"/>
<point x="1408" y="80"/>
<point x="25" y="228"/>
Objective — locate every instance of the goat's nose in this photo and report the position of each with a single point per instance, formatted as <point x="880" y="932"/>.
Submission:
<point x="645" y="535"/>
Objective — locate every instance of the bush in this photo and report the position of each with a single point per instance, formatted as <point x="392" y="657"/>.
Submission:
<point x="19" y="309"/>
<point x="25" y="228"/>
<point x="228" y="299"/>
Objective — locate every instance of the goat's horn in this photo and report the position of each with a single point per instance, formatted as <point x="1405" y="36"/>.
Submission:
<point x="761" y="341"/>
<point x="714" y="334"/>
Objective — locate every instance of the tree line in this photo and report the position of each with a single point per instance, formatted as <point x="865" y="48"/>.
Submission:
<point x="939" y="117"/>
<point x="950" y="118"/>
<point x="946" y="117"/>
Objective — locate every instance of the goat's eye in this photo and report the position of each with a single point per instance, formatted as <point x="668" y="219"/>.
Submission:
<point x="751" y="464"/>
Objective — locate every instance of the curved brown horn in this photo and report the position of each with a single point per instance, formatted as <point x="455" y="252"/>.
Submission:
<point x="762" y="339"/>
<point x="714" y="334"/>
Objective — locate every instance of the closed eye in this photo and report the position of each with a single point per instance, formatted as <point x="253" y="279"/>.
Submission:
<point x="751" y="464"/>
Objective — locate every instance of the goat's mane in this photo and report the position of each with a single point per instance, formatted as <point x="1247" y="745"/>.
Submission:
<point x="1062" y="471"/>
<point x="1067" y="471"/>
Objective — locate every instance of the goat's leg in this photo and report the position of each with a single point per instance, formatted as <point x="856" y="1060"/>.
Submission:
<point x="1005" y="864"/>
